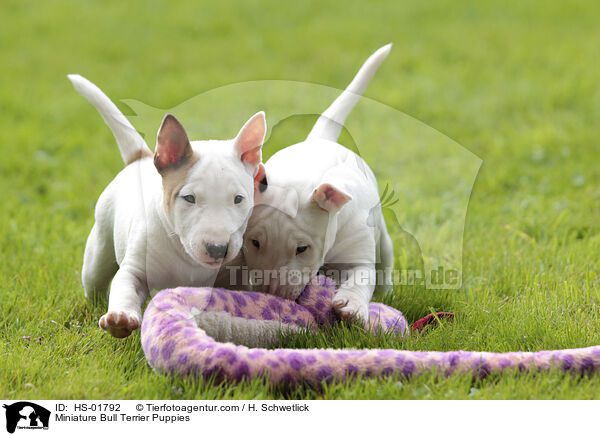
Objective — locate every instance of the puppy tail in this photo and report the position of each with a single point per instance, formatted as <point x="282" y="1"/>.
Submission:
<point x="131" y="144"/>
<point x="330" y="123"/>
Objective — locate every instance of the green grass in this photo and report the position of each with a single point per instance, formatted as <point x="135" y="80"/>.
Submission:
<point x="517" y="85"/>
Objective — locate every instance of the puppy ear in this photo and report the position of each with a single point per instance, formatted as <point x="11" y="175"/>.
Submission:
<point x="260" y="179"/>
<point x="330" y="198"/>
<point x="250" y="139"/>
<point x="172" y="144"/>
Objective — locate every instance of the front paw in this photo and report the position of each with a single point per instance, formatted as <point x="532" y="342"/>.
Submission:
<point x="351" y="308"/>
<point x="120" y="324"/>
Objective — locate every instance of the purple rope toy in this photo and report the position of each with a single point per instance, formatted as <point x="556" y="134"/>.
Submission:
<point x="189" y="331"/>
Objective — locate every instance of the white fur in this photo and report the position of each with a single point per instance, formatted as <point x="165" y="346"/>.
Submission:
<point x="137" y="244"/>
<point x="128" y="139"/>
<point x="330" y="123"/>
<point x="338" y="215"/>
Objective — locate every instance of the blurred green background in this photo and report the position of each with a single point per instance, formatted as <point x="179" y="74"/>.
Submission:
<point x="516" y="84"/>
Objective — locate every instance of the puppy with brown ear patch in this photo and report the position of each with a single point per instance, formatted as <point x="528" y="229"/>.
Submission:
<point x="168" y="219"/>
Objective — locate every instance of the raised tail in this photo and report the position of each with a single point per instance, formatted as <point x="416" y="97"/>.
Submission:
<point x="131" y="144"/>
<point x="330" y="123"/>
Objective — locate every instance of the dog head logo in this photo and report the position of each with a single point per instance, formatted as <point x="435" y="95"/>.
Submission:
<point x="26" y="415"/>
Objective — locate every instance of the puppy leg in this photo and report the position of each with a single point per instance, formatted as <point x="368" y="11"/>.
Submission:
<point x="128" y="293"/>
<point x="99" y="264"/>
<point x="351" y="300"/>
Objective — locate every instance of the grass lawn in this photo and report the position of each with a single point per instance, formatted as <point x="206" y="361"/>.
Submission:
<point x="517" y="85"/>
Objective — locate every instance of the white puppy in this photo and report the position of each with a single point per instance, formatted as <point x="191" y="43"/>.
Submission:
<point x="333" y="218"/>
<point x="168" y="219"/>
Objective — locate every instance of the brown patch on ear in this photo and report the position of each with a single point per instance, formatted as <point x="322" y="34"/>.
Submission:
<point x="172" y="144"/>
<point x="260" y="179"/>
<point x="173" y="179"/>
<point x="262" y="185"/>
<point x="141" y="154"/>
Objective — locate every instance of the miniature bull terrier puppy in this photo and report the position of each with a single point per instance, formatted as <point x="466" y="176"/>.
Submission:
<point x="169" y="218"/>
<point x="332" y="218"/>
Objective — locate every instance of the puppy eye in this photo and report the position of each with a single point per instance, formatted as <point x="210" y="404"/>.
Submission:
<point x="238" y="199"/>
<point x="256" y="243"/>
<point x="301" y="249"/>
<point x="189" y="198"/>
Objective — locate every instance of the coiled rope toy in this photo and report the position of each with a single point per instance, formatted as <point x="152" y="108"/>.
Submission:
<point x="194" y="332"/>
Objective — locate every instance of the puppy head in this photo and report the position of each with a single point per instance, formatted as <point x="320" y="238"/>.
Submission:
<point x="289" y="248"/>
<point x="208" y="187"/>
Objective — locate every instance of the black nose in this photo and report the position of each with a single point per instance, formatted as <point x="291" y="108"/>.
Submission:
<point x="217" y="251"/>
